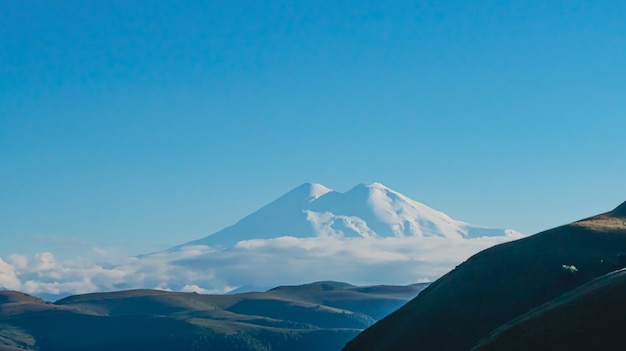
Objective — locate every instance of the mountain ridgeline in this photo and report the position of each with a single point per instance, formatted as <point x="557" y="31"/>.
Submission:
<point x="552" y="290"/>
<point x="317" y="316"/>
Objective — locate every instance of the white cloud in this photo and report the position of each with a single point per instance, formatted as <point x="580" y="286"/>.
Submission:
<point x="8" y="276"/>
<point x="19" y="262"/>
<point x="197" y="289"/>
<point x="44" y="261"/>
<point x="271" y="262"/>
<point x="362" y="261"/>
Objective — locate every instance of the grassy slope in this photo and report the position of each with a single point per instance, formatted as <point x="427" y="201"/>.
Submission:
<point x="591" y="317"/>
<point x="308" y="317"/>
<point x="13" y="338"/>
<point x="499" y="284"/>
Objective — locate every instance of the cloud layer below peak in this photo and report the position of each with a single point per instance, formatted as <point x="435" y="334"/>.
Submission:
<point x="261" y="263"/>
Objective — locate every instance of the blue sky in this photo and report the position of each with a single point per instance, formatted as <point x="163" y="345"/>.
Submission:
<point x="144" y="125"/>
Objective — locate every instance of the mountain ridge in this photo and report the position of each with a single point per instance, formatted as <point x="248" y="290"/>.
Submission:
<point x="498" y="284"/>
<point x="563" y="322"/>
<point x="314" y="316"/>
<point x="620" y="210"/>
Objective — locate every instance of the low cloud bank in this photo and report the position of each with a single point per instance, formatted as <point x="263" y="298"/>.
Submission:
<point x="271" y="262"/>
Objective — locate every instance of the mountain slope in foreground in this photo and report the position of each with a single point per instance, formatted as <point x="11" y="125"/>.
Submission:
<point x="315" y="316"/>
<point x="366" y="210"/>
<point x="501" y="283"/>
<point x="591" y="317"/>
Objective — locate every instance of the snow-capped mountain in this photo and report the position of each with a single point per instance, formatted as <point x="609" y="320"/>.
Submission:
<point x="369" y="235"/>
<point x="367" y="210"/>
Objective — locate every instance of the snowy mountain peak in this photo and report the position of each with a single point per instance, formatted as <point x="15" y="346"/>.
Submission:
<point x="316" y="190"/>
<point x="366" y="210"/>
<point x="306" y="192"/>
<point x="377" y="190"/>
<point x="376" y="186"/>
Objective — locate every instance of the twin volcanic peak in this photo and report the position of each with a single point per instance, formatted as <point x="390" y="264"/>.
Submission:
<point x="365" y="211"/>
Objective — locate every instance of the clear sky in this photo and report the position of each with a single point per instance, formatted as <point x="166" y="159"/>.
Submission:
<point x="141" y="125"/>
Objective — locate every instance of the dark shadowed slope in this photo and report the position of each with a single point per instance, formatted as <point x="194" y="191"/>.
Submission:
<point x="499" y="284"/>
<point x="591" y="317"/>
<point x="317" y="316"/>
<point x="620" y="211"/>
<point x="8" y="296"/>
<point x="15" y="302"/>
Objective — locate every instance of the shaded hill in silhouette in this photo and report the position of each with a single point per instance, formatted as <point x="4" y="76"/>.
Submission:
<point x="591" y="317"/>
<point x="501" y="283"/>
<point x="323" y="315"/>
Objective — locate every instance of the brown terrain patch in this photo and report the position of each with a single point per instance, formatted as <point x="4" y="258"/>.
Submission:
<point x="602" y="223"/>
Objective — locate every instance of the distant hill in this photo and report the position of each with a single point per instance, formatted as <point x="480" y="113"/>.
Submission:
<point x="317" y="316"/>
<point x="499" y="284"/>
